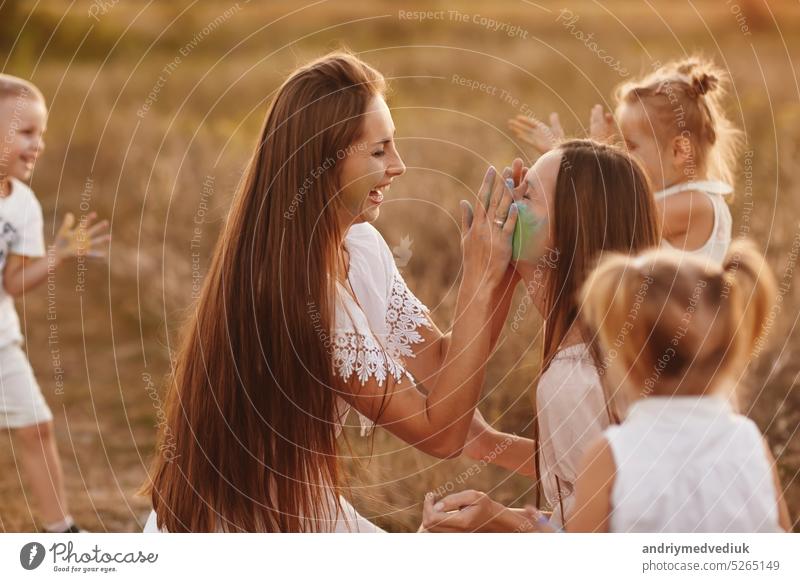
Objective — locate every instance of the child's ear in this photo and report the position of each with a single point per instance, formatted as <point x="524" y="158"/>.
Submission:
<point x="681" y="151"/>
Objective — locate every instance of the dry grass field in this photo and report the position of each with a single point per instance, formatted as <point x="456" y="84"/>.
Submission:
<point x="154" y="110"/>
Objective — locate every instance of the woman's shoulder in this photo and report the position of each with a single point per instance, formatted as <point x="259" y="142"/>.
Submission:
<point x="364" y="235"/>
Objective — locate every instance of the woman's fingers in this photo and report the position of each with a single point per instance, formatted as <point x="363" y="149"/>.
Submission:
<point x="516" y="171"/>
<point x="511" y="221"/>
<point x="485" y="192"/>
<point x="506" y="200"/>
<point x="502" y="197"/>
<point x="458" y="500"/>
<point x="466" y="216"/>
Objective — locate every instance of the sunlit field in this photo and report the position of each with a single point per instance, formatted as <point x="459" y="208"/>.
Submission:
<point x="154" y="111"/>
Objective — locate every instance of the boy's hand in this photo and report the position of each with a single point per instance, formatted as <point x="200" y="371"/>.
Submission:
<point x="82" y="239"/>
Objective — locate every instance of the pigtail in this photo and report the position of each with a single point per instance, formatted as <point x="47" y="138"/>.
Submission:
<point x="751" y="285"/>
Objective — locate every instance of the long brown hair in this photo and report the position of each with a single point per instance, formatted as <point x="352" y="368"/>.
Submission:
<point x="602" y="202"/>
<point x="249" y="443"/>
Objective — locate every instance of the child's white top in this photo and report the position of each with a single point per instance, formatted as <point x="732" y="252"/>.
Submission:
<point x="690" y="464"/>
<point x="374" y="333"/>
<point x="716" y="247"/>
<point x="572" y="414"/>
<point x="21" y="233"/>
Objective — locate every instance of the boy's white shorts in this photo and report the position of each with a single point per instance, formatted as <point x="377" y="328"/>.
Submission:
<point x="21" y="400"/>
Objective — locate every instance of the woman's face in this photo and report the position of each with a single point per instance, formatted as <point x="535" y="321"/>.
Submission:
<point x="370" y="166"/>
<point x="536" y="208"/>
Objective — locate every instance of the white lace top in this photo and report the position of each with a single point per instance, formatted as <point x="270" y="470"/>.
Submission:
<point x="375" y="330"/>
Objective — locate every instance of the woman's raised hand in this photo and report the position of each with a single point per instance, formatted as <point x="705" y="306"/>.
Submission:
<point x="536" y="133"/>
<point x="487" y="232"/>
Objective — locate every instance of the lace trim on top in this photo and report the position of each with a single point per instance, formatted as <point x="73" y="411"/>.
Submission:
<point x="404" y="315"/>
<point x="359" y="354"/>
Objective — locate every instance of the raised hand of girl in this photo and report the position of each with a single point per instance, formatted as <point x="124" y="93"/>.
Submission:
<point x="601" y="124"/>
<point x="541" y="136"/>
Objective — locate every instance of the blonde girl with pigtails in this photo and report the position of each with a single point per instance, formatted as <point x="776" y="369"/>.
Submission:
<point x="682" y="460"/>
<point x="674" y="121"/>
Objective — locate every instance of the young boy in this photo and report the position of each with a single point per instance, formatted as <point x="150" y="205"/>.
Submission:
<point x="24" y="264"/>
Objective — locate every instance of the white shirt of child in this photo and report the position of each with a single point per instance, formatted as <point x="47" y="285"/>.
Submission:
<point x="21" y="233"/>
<point x="690" y="464"/>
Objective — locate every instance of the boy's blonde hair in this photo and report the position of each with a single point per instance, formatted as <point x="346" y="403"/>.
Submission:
<point x="670" y="323"/>
<point x="11" y="86"/>
<point x="685" y="98"/>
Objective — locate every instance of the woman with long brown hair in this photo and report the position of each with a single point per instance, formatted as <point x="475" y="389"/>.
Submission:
<point x="304" y="314"/>
<point x="588" y="199"/>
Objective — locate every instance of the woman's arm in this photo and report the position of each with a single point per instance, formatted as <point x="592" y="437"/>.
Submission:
<point x="509" y="451"/>
<point x="437" y="418"/>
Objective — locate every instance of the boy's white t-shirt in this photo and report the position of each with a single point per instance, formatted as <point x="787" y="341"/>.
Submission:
<point x="21" y="233"/>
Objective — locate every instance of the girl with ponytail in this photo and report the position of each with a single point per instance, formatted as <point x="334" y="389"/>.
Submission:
<point x="673" y="120"/>
<point x="676" y="335"/>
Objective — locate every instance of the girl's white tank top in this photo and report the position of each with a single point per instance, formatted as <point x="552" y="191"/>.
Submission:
<point x="716" y="246"/>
